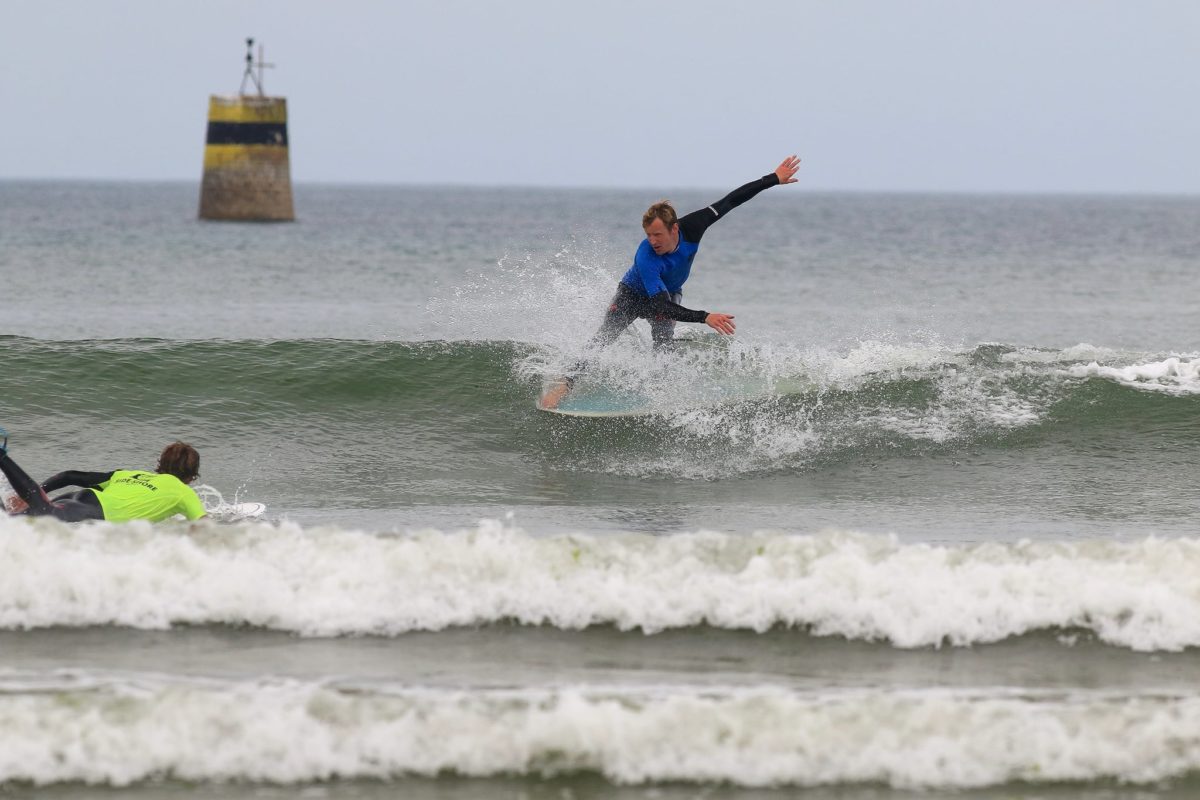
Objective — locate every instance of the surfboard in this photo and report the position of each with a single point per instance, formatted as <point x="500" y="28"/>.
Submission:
<point x="601" y="401"/>
<point x="590" y="397"/>
<point x="237" y="512"/>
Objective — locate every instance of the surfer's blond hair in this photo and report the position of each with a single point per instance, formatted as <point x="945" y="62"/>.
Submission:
<point x="661" y="210"/>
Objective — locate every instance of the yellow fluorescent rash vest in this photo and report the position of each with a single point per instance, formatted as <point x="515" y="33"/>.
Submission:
<point x="130" y="494"/>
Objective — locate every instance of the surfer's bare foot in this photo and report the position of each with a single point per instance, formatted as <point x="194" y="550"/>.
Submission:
<point x="554" y="395"/>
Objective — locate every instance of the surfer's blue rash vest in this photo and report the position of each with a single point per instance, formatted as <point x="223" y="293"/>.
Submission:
<point x="651" y="274"/>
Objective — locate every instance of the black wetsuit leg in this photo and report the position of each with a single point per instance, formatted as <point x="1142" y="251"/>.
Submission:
<point x="72" y="508"/>
<point x="622" y="311"/>
<point x="69" y="509"/>
<point x="627" y="306"/>
<point x="26" y="487"/>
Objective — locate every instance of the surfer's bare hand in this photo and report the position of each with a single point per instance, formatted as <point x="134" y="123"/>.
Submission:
<point x="787" y="170"/>
<point x="15" y="505"/>
<point x="721" y="323"/>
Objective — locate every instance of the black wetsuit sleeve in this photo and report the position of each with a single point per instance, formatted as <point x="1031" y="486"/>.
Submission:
<point x="692" y="226"/>
<point x="663" y="306"/>
<point x="74" y="477"/>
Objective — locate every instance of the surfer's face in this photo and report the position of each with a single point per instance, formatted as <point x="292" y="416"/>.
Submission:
<point x="662" y="239"/>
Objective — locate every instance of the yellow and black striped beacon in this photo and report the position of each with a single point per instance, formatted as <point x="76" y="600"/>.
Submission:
<point x="247" y="175"/>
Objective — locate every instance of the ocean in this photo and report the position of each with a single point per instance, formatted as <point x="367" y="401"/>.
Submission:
<point x="942" y="542"/>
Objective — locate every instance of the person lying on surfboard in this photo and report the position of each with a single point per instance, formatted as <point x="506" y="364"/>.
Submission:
<point x="115" y="496"/>
<point x="653" y="287"/>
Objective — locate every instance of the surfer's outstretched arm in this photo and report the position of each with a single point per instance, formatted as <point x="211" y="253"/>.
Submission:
<point x="73" y="477"/>
<point x="693" y="225"/>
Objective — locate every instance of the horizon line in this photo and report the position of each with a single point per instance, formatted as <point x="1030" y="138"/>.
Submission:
<point x="350" y="184"/>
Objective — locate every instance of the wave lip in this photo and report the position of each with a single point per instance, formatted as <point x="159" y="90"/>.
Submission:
<point x="330" y="582"/>
<point x="124" y="732"/>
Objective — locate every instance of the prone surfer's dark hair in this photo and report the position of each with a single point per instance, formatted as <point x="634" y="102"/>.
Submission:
<point x="661" y="210"/>
<point x="181" y="460"/>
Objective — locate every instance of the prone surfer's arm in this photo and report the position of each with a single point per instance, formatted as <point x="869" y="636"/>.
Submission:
<point x="74" y="478"/>
<point x="693" y="225"/>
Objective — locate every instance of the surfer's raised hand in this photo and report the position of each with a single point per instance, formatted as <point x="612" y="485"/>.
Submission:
<point x="787" y="170"/>
<point x="721" y="323"/>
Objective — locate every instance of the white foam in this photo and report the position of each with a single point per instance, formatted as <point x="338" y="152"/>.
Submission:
<point x="287" y="732"/>
<point x="882" y="357"/>
<point x="1174" y="375"/>
<point x="334" y="582"/>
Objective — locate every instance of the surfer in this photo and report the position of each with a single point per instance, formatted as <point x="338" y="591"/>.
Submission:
<point x="652" y="289"/>
<point x="116" y="496"/>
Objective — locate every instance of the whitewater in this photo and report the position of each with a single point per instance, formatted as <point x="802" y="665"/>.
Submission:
<point x="327" y="582"/>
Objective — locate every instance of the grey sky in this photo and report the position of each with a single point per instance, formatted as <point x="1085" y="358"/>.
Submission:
<point x="954" y="95"/>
